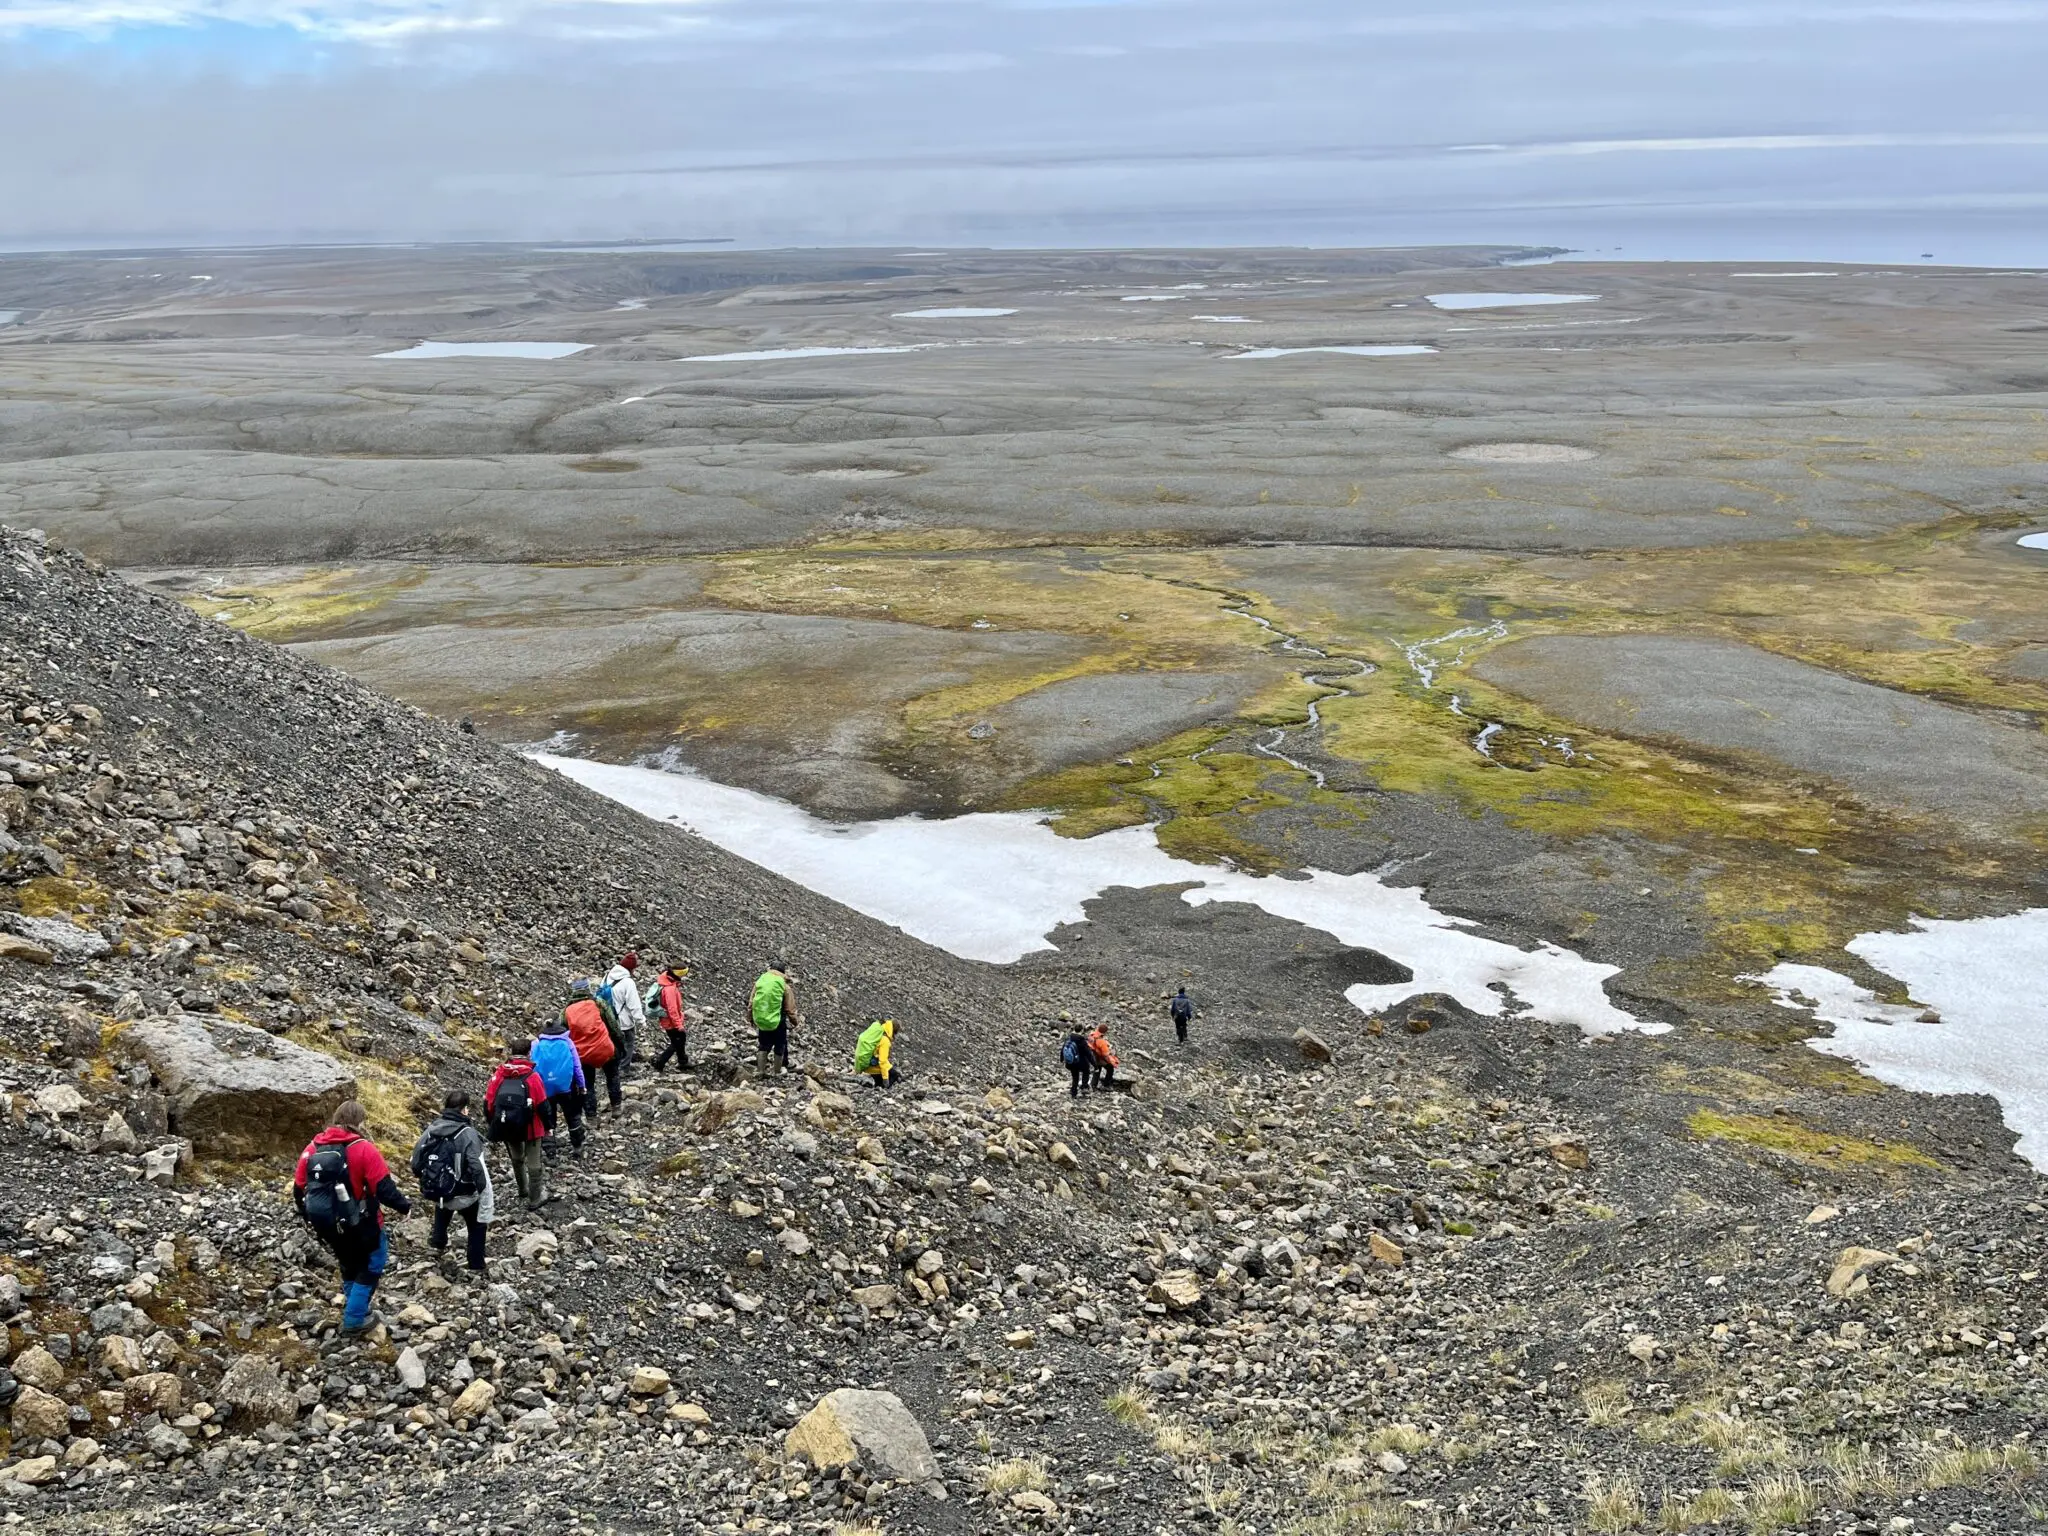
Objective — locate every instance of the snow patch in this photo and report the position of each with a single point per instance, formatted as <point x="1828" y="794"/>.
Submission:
<point x="991" y="886"/>
<point x="1982" y="977"/>
<point x="1505" y="300"/>
<point x="1348" y="351"/>
<point x="781" y="352"/>
<point x="953" y="314"/>
<point x="546" y="351"/>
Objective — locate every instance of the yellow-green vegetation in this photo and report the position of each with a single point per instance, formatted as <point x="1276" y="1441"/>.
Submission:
<point x="302" y="602"/>
<point x="1788" y="1137"/>
<point x="1605" y="1402"/>
<point x="1129" y="1406"/>
<point x="1613" y="1504"/>
<point x="1404" y="1439"/>
<point x="1776" y="1502"/>
<point x="1709" y="1506"/>
<point x="1018" y="1475"/>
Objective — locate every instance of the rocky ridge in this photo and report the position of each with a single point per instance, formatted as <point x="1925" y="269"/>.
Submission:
<point x="1265" y="1293"/>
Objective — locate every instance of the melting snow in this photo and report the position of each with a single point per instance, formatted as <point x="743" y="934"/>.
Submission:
<point x="990" y="887"/>
<point x="953" y="314"/>
<point x="1225" y="319"/>
<point x="1982" y="977"/>
<point x="1505" y="300"/>
<point x="1351" y="351"/>
<point x="769" y="356"/>
<point x="546" y="350"/>
<point x="2034" y="541"/>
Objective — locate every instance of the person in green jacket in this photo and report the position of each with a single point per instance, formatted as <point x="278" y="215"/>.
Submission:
<point x="774" y="1010"/>
<point x="871" y="1054"/>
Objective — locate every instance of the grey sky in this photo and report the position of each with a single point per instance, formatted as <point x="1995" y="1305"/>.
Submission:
<point x="970" y="121"/>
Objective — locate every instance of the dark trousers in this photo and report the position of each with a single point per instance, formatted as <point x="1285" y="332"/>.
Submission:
<point x="1180" y="1029"/>
<point x="775" y="1042"/>
<point x="438" y="1238"/>
<point x="611" y="1087"/>
<point x="1105" y="1074"/>
<point x="564" y="1106"/>
<point x="1079" y="1081"/>
<point x="674" y="1043"/>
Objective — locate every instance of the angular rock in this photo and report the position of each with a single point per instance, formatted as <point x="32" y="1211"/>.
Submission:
<point x="235" y="1090"/>
<point x="37" y="1367"/>
<point x="1567" y="1153"/>
<point x="117" y="1135"/>
<point x="877" y="1298"/>
<point x="1386" y="1250"/>
<point x="35" y="1471"/>
<point x="475" y="1400"/>
<point x="155" y="1392"/>
<point x="412" y="1371"/>
<point x="253" y="1387"/>
<point x="59" y="1100"/>
<point x="23" y="951"/>
<point x="872" y="1428"/>
<point x="647" y="1381"/>
<point x="536" y="1246"/>
<point x="1851" y="1274"/>
<point x="1312" y="1046"/>
<point x="793" y="1241"/>
<point x="1177" y="1290"/>
<point x="122" y="1356"/>
<point x="39" y="1416"/>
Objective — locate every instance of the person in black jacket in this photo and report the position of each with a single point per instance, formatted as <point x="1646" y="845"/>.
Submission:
<point x="448" y="1160"/>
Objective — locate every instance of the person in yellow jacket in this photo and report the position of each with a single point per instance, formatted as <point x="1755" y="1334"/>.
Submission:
<point x="871" y="1054"/>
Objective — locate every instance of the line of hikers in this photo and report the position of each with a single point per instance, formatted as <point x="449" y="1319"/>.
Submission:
<point x="342" y="1185"/>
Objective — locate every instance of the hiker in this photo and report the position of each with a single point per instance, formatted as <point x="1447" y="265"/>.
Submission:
<point x="513" y="1105"/>
<point x="773" y="1010"/>
<point x="871" y="1053"/>
<point x="1102" y="1057"/>
<point x="561" y="1074"/>
<point x="1182" y="1009"/>
<point x="630" y="1015"/>
<point x="341" y="1186"/>
<point x="448" y="1160"/>
<point x="667" y="1008"/>
<point x="594" y="1027"/>
<point x="1078" y="1060"/>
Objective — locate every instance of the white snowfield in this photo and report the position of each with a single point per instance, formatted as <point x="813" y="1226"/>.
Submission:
<point x="990" y="887"/>
<point x="1983" y="977"/>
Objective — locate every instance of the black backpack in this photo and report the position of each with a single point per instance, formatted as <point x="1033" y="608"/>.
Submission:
<point x="1183" y="1010"/>
<point x="511" y="1115"/>
<point x="330" y="1200"/>
<point x="443" y="1168"/>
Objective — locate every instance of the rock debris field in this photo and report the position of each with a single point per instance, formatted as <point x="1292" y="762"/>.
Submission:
<point x="1313" y="1273"/>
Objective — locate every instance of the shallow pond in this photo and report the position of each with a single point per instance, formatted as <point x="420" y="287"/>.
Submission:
<point x="953" y="314"/>
<point x="991" y="887"/>
<point x="776" y="353"/>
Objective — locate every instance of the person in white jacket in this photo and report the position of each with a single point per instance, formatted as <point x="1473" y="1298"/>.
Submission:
<point x="627" y="1005"/>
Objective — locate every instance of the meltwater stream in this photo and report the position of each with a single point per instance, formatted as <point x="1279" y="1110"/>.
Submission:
<point x="992" y="886"/>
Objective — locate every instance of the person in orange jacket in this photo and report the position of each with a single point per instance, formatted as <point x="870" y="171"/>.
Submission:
<point x="1104" y="1058"/>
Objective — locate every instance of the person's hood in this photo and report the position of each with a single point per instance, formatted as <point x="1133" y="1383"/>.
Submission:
<point x="553" y="1028"/>
<point x="449" y="1122"/>
<point x="519" y="1066"/>
<point x="336" y="1133"/>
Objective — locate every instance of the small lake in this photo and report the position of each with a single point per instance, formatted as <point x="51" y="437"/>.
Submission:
<point x="1403" y="351"/>
<point x="952" y="314"/>
<point x="1225" y="319"/>
<point x="1506" y="300"/>
<point x="992" y="886"/>
<point x="9" y="316"/>
<point x="2033" y="541"/>
<point x="544" y="351"/>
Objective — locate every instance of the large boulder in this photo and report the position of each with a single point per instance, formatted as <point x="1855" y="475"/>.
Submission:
<point x="254" y="1387"/>
<point x="235" y="1090"/>
<point x="872" y="1428"/>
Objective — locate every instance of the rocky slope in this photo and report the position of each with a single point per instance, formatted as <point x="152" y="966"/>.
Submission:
<point x="1466" y="1276"/>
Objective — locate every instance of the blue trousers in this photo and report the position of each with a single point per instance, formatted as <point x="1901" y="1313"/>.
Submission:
<point x="362" y="1266"/>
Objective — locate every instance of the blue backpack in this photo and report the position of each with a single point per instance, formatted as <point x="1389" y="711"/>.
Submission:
<point x="554" y="1058"/>
<point x="1074" y="1054"/>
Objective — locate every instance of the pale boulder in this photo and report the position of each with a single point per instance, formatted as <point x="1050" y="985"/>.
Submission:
<point x="872" y="1428"/>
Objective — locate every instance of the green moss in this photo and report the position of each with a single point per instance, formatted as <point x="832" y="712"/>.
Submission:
<point x="1806" y="1144"/>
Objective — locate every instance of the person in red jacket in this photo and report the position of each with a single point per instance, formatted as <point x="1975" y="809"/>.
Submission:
<point x="341" y="1186"/>
<point x="520" y="1131"/>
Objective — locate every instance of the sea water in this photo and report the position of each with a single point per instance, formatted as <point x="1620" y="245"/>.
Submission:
<point x="992" y="886"/>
